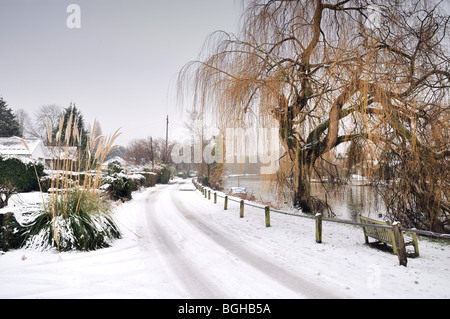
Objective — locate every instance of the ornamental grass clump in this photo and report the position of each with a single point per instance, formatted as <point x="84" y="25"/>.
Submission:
<point x="88" y="227"/>
<point x="76" y="215"/>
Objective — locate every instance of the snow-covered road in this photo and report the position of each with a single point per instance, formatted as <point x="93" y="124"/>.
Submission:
<point x="208" y="262"/>
<point x="177" y="244"/>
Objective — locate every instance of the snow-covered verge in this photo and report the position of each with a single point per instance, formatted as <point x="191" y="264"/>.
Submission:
<point x="211" y="244"/>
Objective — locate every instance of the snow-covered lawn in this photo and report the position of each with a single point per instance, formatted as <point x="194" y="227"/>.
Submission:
<point x="177" y="244"/>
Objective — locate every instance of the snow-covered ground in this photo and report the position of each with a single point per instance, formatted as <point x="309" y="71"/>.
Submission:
<point x="177" y="244"/>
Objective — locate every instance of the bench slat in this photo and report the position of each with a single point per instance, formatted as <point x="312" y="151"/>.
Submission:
<point x="383" y="235"/>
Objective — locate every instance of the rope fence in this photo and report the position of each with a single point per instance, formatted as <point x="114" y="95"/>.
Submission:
<point x="395" y="227"/>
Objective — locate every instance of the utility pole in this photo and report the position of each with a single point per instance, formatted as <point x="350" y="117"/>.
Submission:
<point x="152" y="154"/>
<point x="167" y="138"/>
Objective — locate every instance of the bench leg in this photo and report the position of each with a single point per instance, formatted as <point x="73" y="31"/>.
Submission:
<point x="366" y="238"/>
<point x="399" y="245"/>
<point x="416" y="245"/>
<point x="394" y="247"/>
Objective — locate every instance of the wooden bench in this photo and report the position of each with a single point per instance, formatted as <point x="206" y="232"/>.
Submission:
<point x="387" y="235"/>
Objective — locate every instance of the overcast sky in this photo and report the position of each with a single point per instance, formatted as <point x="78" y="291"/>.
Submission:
<point x="118" y="67"/>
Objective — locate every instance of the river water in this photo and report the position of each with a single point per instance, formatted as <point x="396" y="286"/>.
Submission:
<point x="346" y="202"/>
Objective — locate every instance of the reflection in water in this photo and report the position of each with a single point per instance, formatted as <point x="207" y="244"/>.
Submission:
<point x="346" y="201"/>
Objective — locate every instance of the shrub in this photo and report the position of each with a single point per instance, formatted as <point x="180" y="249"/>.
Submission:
<point x="6" y="191"/>
<point x="118" y="184"/>
<point x="150" y="178"/>
<point x="12" y="235"/>
<point x="20" y="175"/>
<point x="84" y="231"/>
<point x="114" y="168"/>
<point x="121" y="187"/>
<point x="164" y="175"/>
<point x="205" y="181"/>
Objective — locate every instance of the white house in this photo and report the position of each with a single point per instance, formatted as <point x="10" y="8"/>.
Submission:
<point x="64" y="153"/>
<point x="13" y="147"/>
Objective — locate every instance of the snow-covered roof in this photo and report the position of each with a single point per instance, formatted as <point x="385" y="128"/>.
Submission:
<point x="14" y="146"/>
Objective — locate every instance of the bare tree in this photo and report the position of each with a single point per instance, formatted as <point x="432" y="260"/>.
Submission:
<point x="202" y="135"/>
<point x="375" y="73"/>
<point x="138" y="152"/>
<point x="50" y="113"/>
<point x="25" y="123"/>
<point x="145" y="150"/>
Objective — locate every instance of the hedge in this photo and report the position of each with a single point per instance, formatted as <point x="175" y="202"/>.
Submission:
<point x="20" y="175"/>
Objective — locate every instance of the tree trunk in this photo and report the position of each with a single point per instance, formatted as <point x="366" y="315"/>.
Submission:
<point x="302" y="189"/>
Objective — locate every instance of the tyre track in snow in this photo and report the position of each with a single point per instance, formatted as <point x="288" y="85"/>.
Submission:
<point x="283" y="276"/>
<point x="194" y="282"/>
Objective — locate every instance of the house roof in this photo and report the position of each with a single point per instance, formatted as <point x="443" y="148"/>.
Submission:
<point x="14" y="146"/>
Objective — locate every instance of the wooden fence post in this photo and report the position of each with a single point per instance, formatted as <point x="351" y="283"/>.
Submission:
<point x="241" y="213"/>
<point x="267" y="213"/>
<point x="225" y="203"/>
<point x="215" y="198"/>
<point x="209" y="194"/>
<point x="400" y="243"/>
<point x="318" y="228"/>
<point x="205" y="192"/>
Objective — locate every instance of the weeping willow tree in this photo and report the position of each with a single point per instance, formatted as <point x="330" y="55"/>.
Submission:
<point x="372" y="74"/>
